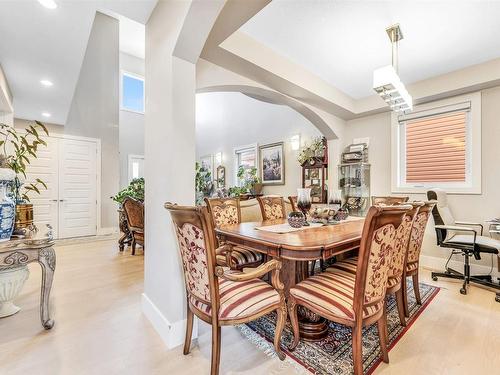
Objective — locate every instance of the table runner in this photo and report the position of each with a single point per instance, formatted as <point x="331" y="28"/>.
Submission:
<point x="286" y="228"/>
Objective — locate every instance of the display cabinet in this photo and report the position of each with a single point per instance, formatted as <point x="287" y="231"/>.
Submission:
<point x="354" y="182"/>
<point x="315" y="176"/>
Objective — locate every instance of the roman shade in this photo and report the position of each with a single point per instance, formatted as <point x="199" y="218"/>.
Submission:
<point x="435" y="146"/>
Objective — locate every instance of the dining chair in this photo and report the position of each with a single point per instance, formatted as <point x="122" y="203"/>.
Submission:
<point x="272" y="207"/>
<point x="414" y="247"/>
<point x="219" y="296"/>
<point x="134" y="212"/>
<point x="355" y="300"/>
<point x="397" y="261"/>
<point x="226" y="211"/>
<point x="389" y="200"/>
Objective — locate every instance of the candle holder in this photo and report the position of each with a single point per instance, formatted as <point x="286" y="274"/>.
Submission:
<point x="304" y="202"/>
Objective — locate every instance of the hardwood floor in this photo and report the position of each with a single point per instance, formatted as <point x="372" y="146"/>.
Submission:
<point x="100" y="328"/>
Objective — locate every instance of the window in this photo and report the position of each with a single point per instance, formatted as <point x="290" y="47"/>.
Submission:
<point x="438" y="146"/>
<point x="132" y="92"/>
<point x="245" y="156"/>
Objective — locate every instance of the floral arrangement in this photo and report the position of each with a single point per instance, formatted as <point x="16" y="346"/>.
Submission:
<point x="315" y="150"/>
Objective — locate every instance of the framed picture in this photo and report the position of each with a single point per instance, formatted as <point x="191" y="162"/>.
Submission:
<point x="221" y="176"/>
<point x="272" y="164"/>
<point x="207" y="162"/>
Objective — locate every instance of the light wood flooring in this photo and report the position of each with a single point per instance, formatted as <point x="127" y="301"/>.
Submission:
<point x="100" y="328"/>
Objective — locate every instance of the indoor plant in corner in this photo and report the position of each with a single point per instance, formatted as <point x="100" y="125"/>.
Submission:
<point x="16" y="150"/>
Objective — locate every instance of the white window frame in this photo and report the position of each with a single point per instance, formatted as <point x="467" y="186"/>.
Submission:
<point x="239" y="149"/>
<point x="135" y="76"/>
<point x="131" y="159"/>
<point x="472" y="185"/>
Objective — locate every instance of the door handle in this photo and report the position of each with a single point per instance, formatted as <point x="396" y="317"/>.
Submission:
<point x="61" y="200"/>
<point x="53" y="200"/>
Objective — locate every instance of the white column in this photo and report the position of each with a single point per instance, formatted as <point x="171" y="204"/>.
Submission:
<point x="175" y="28"/>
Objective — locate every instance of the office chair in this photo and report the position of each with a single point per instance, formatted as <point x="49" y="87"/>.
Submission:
<point x="450" y="234"/>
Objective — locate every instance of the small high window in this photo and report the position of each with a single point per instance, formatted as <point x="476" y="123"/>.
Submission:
<point x="132" y="92"/>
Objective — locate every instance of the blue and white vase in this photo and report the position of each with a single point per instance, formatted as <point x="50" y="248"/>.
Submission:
<point x="7" y="205"/>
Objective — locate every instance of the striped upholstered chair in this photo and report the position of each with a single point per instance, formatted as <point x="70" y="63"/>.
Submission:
<point x="272" y="208"/>
<point x="414" y="247"/>
<point x="355" y="300"/>
<point x="219" y="296"/>
<point x="226" y="211"/>
<point x="397" y="263"/>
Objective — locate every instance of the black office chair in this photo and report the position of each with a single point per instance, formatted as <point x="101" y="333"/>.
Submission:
<point x="450" y="234"/>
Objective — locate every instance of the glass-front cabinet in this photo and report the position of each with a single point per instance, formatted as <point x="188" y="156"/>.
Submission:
<point x="354" y="182"/>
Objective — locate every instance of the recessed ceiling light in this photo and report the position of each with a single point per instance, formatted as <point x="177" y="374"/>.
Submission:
<point x="50" y="4"/>
<point x="46" y="114"/>
<point x="46" y="82"/>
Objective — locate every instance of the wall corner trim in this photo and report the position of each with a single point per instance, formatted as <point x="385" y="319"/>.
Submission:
<point x="172" y="334"/>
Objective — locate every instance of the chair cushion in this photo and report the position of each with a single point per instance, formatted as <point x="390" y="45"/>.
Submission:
<point x="240" y="257"/>
<point x="240" y="299"/>
<point x="332" y="293"/>
<point x="486" y="244"/>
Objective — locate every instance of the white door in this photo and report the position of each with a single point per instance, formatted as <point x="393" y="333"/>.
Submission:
<point x="135" y="167"/>
<point x="77" y="188"/>
<point x="45" y="167"/>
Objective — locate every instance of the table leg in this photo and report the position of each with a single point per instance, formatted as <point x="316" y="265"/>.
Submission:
<point x="47" y="260"/>
<point x="312" y="327"/>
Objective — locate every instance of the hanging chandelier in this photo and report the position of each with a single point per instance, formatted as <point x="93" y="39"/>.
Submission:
<point x="386" y="81"/>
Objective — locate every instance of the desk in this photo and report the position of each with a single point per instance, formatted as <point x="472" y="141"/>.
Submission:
<point x="294" y="250"/>
<point x="16" y="253"/>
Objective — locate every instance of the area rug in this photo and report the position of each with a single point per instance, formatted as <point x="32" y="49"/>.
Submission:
<point x="333" y="355"/>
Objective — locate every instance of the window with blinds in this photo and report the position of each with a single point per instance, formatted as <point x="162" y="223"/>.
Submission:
<point x="436" y="148"/>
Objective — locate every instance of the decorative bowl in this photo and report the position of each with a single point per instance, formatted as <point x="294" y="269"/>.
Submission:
<point x="342" y="214"/>
<point x="296" y="219"/>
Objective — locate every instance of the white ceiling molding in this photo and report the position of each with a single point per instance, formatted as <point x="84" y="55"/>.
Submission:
<point x="245" y="56"/>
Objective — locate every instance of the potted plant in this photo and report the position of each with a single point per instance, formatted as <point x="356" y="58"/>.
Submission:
<point x="17" y="149"/>
<point x="134" y="190"/>
<point x="203" y="183"/>
<point x="250" y="182"/>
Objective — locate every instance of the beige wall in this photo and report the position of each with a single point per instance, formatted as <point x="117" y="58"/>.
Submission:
<point x="464" y="206"/>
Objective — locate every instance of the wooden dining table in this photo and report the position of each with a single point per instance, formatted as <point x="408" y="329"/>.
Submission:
<point x="295" y="249"/>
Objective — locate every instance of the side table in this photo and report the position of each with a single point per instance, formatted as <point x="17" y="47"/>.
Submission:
<point x="18" y="253"/>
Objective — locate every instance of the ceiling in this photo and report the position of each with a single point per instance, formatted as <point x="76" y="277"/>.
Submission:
<point x="342" y="42"/>
<point x="39" y="43"/>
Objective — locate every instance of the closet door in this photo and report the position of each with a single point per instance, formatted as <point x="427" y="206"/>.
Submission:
<point x="77" y="188"/>
<point x="45" y="167"/>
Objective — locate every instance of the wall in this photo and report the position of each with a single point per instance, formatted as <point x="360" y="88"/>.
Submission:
<point x="231" y="119"/>
<point x="94" y="108"/>
<point x="468" y="207"/>
<point x="6" y="108"/>
<point x="131" y="131"/>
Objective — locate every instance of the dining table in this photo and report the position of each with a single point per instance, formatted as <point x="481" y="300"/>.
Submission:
<point x="295" y="248"/>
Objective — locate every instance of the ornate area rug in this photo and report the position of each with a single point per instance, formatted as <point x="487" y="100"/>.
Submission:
<point x="333" y="355"/>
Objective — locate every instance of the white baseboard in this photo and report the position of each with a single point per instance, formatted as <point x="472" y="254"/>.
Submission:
<point x="438" y="263"/>
<point x="172" y="334"/>
<point x="108" y="230"/>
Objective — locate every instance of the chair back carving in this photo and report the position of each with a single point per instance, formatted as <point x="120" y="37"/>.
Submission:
<point x="195" y="237"/>
<point x="377" y="245"/>
<point x="418" y="230"/>
<point x="403" y="233"/>
<point x="134" y="211"/>
<point x="389" y="201"/>
<point x="272" y="208"/>
<point x="224" y="211"/>
<point x="293" y="202"/>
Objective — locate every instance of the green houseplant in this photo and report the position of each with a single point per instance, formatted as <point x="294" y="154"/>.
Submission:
<point x="17" y="149"/>
<point x="204" y="185"/>
<point x="134" y="190"/>
<point x="250" y="181"/>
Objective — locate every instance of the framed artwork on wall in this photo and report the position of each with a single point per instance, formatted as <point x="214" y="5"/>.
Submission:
<point x="272" y="164"/>
<point x="207" y="162"/>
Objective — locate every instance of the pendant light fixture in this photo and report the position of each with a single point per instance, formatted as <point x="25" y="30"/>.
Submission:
<point x="386" y="81"/>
